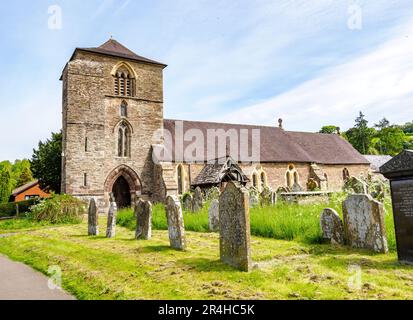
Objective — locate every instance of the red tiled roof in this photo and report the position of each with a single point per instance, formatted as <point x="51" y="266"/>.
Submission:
<point x="23" y="188"/>
<point x="278" y="145"/>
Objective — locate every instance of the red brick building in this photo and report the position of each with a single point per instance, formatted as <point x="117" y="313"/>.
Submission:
<point x="28" y="191"/>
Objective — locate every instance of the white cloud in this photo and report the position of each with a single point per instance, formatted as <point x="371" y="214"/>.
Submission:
<point x="379" y="83"/>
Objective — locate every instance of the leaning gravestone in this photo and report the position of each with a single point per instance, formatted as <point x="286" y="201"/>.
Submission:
<point x="213" y="214"/>
<point x="198" y="202"/>
<point x="234" y="221"/>
<point x="188" y="202"/>
<point x="143" y="214"/>
<point x="400" y="172"/>
<point x="364" y="223"/>
<point x="175" y="223"/>
<point x="111" y="229"/>
<point x="332" y="226"/>
<point x="356" y="185"/>
<point x="93" y="227"/>
<point x="266" y="197"/>
<point x="297" y="188"/>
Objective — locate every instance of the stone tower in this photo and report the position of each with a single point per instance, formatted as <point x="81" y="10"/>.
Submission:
<point x="112" y="106"/>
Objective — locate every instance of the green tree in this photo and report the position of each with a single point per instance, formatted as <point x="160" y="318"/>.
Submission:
<point x="329" y="129"/>
<point x="46" y="163"/>
<point x="360" y="136"/>
<point x="5" y="187"/>
<point x="25" y="177"/>
<point x="408" y="127"/>
<point x="391" y="140"/>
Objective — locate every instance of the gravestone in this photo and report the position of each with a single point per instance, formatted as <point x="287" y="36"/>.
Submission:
<point x="198" y="202"/>
<point x="274" y="198"/>
<point x="332" y="226"/>
<point x="356" y="185"/>
<point x="400" y="172"/>
<point x="188" y="202"/>
<point x="266" y="197"/>
<point x="175" y="223"/>
<point x="111" y="229"/>
<point x="234" y="221"/>
<point x="213" y="194"/>
<point x="364" y="223"/>
<point x="254" y="197"/>
<point x="143" y="214"/>
<point x="297" y="188"/>
<point x="213" y="214"/>
<point x="93" y="227"/>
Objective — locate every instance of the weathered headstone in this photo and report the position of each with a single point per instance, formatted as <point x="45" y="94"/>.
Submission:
<point x="175" y="220"/>
<point x="297" y="188"/>
<point x="187" y="202"/>
<point x="274" y="198"/>
<point x="332" y="226"/>
<point x="213" y="214"/>
<point x="143" y="214"/>
<point x="364" y="223"/>
<point x="234" y="221"/>
<point x="356" y="185"/>
<point x="111" y="229"/>
<point x="400" y="172"/>
<point x="198" y="202"/>
<point x="266" y="197"/>
<point x="213" y="193"/>
<point x="93" y="227"/>
<point x="254" y="197"/>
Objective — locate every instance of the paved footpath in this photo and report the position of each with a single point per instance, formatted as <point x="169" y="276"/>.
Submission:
<point x="20" y="282"/>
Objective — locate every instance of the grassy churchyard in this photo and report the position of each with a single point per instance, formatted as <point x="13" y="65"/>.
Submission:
<point x="289" y="260"/>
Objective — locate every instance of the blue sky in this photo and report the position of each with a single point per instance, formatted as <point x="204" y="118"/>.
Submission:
<point x="232" y="61"/>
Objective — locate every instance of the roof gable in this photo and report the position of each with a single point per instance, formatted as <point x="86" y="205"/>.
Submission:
<point x="25" y="187"/>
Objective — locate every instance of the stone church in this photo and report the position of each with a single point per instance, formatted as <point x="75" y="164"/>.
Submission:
<point x="112" y="109"/>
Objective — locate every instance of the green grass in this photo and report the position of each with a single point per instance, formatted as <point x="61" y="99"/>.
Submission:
<point x="282" y="221"/>
<point x="123" y="268"/>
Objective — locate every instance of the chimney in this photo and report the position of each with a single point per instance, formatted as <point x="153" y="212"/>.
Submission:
<point x="280" y="123"/>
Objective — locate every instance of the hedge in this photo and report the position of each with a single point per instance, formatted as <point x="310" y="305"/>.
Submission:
<point x="9" y="209"/>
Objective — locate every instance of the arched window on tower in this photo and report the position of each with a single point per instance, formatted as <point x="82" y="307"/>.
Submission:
<point x="124" y="136"/>
<point x="124" y="109"/>
<point x="123" y="82"/>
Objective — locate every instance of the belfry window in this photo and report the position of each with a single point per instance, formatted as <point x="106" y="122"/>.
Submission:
<point x="124" y="137"/>
<point x="123" y="83"/>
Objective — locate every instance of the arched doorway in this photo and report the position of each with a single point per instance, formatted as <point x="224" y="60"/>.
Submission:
<point x="121" y="191"/>
<point x="124" y="182"/>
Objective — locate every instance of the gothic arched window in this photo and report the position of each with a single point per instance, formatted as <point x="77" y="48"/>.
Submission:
<point x="263" y="180"/>
<point x="124" y="136"/>
<point x="292" y="176"/>
<point x="124" y="109"/>
<point x="254" y="180"/>
<point x="123" y="82"/>
<point x="346" y="174"/>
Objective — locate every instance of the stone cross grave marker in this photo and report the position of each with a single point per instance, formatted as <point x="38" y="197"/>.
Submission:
<point x="400" y="172"/>
<point x="332" y="226"/>
<point x="364" y="223"/>
<point x="93" y="227"/>
<point x="111" y="229"/>
<point x="143" y="214"/>
<point x="234" y="221"/>
<point x="176" y="227"/>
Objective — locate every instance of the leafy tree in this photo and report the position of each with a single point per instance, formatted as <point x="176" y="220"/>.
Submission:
<point x="391" y="140"/>
<point x="25" y="177"/>
<point x="360" y="136"/>
<point x="46" y="163"/>
<point x="329" y="129"/>
<point x="408" y="127"/>
<point x="383" y="123"/>
<point x="5" y="187"/>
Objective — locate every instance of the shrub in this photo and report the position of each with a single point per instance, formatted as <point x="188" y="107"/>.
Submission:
<point x="9" y="209"/>
<point x="59" y="209"/>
